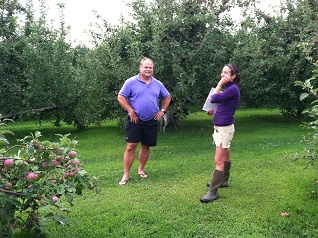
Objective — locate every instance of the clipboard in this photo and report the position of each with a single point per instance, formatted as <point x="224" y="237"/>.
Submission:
<point x="208" y="105"/>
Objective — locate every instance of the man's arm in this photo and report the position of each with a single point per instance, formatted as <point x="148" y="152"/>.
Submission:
<point x="165" y="103"/>
<point x="125" y="104"/>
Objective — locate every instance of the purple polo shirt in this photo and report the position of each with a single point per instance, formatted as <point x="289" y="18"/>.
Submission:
<point x="229" y="101"/>
<point x="142" y="97"/>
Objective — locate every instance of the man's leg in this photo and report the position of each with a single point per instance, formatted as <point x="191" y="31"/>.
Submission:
<point x="129" y="157"/>
<point x="143" y="156"/>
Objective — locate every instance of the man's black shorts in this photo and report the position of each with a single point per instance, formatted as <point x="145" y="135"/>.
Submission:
<point x="145" y="132"/>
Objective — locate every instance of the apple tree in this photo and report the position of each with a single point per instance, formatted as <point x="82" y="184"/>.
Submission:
<point x="36" y="177"/>
<point x="51" y="69"/>
<point x="308" y="49"/>
<point x="268" y="47"/>
<point x="185" y="39"/>
<point x="12" y="61"/>
<point x="310" y="122"/>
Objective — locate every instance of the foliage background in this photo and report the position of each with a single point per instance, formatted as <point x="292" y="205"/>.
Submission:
<point x="190" y="42"/>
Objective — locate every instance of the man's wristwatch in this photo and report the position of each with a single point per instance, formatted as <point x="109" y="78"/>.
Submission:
<point x="163" y="110"/>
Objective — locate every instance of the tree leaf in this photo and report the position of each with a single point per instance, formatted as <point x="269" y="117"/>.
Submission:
<point x="303" y="96"/>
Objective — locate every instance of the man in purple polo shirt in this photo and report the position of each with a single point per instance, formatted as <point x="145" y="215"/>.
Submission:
<point x="139" y="96"/>
<point x="228" y="101"/>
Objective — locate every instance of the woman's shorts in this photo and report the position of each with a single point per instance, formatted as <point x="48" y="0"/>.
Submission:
<point x="145" y="132"/>
<point x="223" y="135"/>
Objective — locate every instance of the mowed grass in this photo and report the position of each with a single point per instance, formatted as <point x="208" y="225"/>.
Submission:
<point x="263" y="183"/>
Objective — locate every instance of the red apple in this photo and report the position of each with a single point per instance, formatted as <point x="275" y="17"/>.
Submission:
<point x="55" y="163"/>
<point x="31" y="176"/>
<point x="59" y="157"/>
<point x="9" y="185"/>
<point x="45" y="165"/>
<point x="284" y="214"/>
<point x="8" y="163"/>
<point x="36" y="176"/>
<point x="72" y="154"/>
<point x="55" y="199"/>
<point x="72" y="174"/>
<point x="77" y="162"/>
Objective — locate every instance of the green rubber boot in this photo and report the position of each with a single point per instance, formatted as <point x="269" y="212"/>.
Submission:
<point x="213" y="194"/>
<point x="225" y="181"/>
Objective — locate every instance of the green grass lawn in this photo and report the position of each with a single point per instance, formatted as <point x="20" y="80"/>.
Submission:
<point x="263" y="183"/>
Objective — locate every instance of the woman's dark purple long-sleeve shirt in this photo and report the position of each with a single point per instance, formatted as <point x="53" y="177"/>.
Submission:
<point x="229" y="101"/>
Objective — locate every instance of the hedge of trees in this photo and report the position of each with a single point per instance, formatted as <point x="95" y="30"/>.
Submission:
<point x="44" y="76"/>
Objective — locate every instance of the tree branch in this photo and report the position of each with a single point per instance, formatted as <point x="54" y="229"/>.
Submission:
<point x="44" y="109"/>
<point x="11" y="192"/>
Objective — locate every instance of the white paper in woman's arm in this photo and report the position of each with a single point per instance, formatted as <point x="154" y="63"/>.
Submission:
<point x="208" y="105"/>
